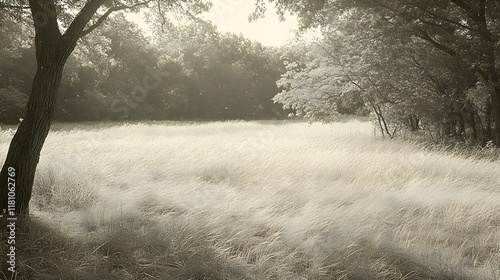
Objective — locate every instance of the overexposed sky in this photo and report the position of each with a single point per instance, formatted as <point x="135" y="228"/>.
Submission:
<point x="232" y="16"/>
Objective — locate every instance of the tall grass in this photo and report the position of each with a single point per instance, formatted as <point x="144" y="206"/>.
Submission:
<point x="243" y="200"/>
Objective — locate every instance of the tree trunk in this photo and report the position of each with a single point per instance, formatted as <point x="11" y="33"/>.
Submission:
<point x="490" y="74"/>
<point x="461" y="127"/>
<point x="473" y="125"/>
<point x="488" y="121"/>
<point x="52" y="51"/>
<point x="26" y="145"/>
<point x="495" y="100"/>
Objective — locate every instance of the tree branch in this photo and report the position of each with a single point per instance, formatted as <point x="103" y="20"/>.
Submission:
<point x="108" y="13"/>
<point x="75" y="29"/>
<point x="482" y="10"/>
<point x="467" y="8"/>
<point x="462" y="4"/>
<point x="162" y="15"/>
<point x="440" y="26"/>
<point x="437" y="85"/>
<point x="423" y="35"/>
<point x="329" y="53"/>
<point x="439" y="17"/>
<point x="190" y="15"/>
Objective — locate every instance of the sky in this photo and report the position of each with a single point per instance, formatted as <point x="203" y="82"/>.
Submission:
<point x="232" y="16"/>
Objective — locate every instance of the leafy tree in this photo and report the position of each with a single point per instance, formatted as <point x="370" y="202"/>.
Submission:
<point x="16" y="55"/>
<point x="225" y="76"/>
<point x="58" y="26"/>
<point x="462" y="34"/>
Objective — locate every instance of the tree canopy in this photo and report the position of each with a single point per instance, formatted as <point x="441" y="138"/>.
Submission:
<point x="210" y="75"/>
<point x="423" y="65"/>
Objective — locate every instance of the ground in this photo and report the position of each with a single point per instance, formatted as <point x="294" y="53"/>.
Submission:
<point x="257" y="200"/>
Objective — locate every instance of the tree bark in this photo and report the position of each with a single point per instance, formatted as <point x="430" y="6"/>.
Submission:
<point x="495" y="100"/>
<point x="52" y="51"/>
<point x="489" y="43"/>
<point x="488" y="120"/>
<point x="26" y="145"/>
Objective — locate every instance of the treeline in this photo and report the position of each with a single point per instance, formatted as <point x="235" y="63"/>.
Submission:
<point x="421" y="66"/>
<point x="116" y="73"/>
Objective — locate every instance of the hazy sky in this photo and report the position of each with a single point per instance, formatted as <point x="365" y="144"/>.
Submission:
<point x="232" y="16"/>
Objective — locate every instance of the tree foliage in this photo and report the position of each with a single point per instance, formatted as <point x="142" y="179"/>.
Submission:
<point x="210" y="75"/>
<point x="422" y="65"/>
<point x="58" y="27"/>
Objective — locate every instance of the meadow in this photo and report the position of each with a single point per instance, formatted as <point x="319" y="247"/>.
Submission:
<point x="257" y="200"/>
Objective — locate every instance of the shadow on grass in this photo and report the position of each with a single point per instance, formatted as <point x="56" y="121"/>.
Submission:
<point x="363" y="262"/>
<point x="46" y="253"/>
<point x="141" y="249"/>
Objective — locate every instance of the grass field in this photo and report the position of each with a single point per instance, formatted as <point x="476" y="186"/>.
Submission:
<point x="247" y="200"/>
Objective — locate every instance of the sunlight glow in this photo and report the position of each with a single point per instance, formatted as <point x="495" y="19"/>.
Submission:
<point x="232" y="16"/>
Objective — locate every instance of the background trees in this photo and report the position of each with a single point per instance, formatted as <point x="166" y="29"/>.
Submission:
<point x="211" y="75"/>
<point x="229" y="76"/>
<point x="418" y="65"/>
<point x="58" y="26"/>
<point x="118" y="76"/>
